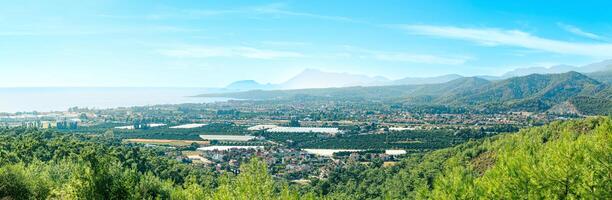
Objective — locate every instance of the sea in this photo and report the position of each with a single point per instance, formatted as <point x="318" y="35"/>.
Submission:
<point x="60" y="99"/>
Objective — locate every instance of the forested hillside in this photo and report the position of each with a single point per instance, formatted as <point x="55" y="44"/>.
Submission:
<point x="534" y="92"/>
<point x="604" y="76"/>
<point x="561" y="160"/>
<point x="568" y="160"/>
<point x="50" y="165"/>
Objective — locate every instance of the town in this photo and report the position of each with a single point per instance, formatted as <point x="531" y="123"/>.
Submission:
<point x="299" y="141"/>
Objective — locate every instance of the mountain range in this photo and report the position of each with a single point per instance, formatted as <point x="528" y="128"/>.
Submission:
<point x="313" y="78"/>
<point x="569" y="92"/>
<point x="605" y="65"/>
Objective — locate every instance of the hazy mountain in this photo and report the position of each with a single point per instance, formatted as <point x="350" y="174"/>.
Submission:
<point x="539" y="70"/>
<point x="536" y="92"/>
<point x="398" y="92"/>
<point x="604" y="76"/>
<point x="594" y="67"/>
<point x="491" y="77"/>
<point x="312" y="78"/>
<point x="246" y="85"/>
<point x="605" y="65"/>
<point x="425" y="80"/>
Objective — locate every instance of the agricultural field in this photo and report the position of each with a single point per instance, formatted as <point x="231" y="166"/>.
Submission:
<point x="410" y="140"/>
<point x="166" y="142"/>
<point x="181" y="133"/>
<point x="416" y="140"/>
<point x="331" y="131"/>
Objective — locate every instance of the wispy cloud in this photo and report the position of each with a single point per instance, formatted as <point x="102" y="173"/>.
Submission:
<point x="18" y="33"/>
<point x="66" y="30"/>
<point x="281" y="9"/>
<point x="274" y="9"/>
<point x="174" y="14"/>
<point x="578" y="31"/>
<point x="238" y="51"/>
<point x="409" y="57"/>
<point x="285" y="43"/>
<point x="419" y="58"/>
<point x="516" y="38"/>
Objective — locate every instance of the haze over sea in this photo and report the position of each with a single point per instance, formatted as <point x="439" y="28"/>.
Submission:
<point x="60" y="98"/>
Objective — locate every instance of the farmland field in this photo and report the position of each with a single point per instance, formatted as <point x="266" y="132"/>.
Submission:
<point x="181" y="133"/>
<point x="166" y="142"/>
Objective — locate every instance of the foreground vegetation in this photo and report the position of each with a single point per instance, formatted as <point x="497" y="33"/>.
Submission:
<point x="558" y="161"/>
<point x="50" y="165"/>
<point x="562" y="160"/>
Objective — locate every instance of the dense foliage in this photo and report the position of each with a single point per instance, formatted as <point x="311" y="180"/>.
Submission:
<point x="558" y="161"/>
<point x="165" y="132"/>
<point x="418" y="140"/>
<point x="414" y="140"/>
<point x="561" y="161"/>
<point x="593" y="105"/>
<point x="50" y="165"/>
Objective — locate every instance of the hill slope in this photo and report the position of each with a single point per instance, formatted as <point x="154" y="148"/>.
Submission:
<point x="562" y="160"/>
<point x="602" y="76"/>
<point x="558" y="161"/>
<point x="534" y="92"/>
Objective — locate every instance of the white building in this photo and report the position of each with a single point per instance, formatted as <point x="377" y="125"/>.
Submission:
<point x="395" y="152"/>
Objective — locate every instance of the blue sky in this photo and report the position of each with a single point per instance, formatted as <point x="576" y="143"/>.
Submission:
<point x="212" y="43"/>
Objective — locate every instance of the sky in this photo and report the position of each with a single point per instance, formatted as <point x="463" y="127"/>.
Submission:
<point x="176" y="43"/>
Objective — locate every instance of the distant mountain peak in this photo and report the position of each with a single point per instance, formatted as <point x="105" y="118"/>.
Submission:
<point x="244" y="85"/>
